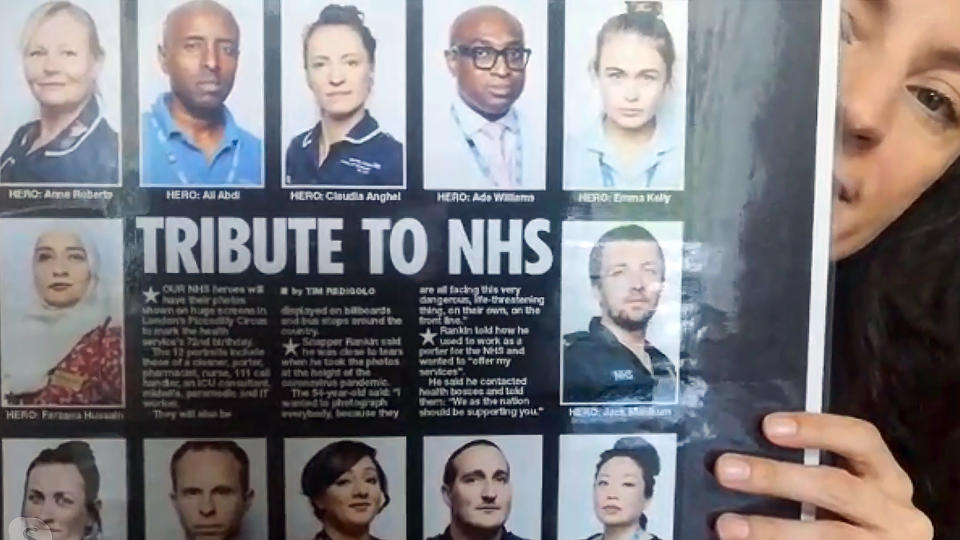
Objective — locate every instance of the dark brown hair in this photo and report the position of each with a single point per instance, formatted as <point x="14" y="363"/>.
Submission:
<point x="78" y="454"/>
<point x="335" y="14"/>
<point x="896" y="345"/>
<point x="644" y="19"/>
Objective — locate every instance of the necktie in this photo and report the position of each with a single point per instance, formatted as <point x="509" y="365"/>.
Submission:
<point x="501" y="173"/>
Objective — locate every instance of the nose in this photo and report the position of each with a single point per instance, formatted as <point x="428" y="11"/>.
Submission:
<point x="488" y="493"/>
<point x="500" y="68"/>
<point x="46" y="513"/>
<point x="51" y="64"/>
<point x="207" y="508"/>
<point x="60" y="269"/>
<point x="631" y="92"/>
<point x="211" y="57"/>
<point x="335" y="75"/>
<point x="360" y="489"/>
<point x="869" y="91"/>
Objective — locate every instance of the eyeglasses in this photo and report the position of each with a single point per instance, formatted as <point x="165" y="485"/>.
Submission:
<point x="485" y="58"/>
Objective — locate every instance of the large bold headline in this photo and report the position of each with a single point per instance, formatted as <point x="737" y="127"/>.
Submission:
<point x="233" y="245"/>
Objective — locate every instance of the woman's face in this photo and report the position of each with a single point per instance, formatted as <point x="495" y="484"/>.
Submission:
<point x="61" y="269"/>
<point x="60" y="68"/>
<point x="339" y="71"/>
<point x="633" y="79"/>
<point x="618" y="497"/>
<point x="354" y="499"/>
<point x="898" y="110"/>
<point x="55" y="495"/>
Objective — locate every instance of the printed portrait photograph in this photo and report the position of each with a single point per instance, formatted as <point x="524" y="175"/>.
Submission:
<point x="205" y="488"/>
<point x="61" y="93"/>
<point x="61" y="313"/>
<point x="345" y="488"/>
<point x="475" y="486"/>
<point x="78" y="488"/>
<point x="201" y="93"/>
<point x="624" y="98"/>
<point x="344" y="94"/>
<point x="617" y="484"/>
<point x="484" y="94"/>
<point x="620" y="312"/>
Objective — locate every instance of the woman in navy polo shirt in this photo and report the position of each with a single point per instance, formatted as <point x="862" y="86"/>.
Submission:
<point x="346" y="147"/>
<point x="71" y="142"/>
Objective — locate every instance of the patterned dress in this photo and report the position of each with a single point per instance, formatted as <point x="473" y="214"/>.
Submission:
<point x="90" y="374"/>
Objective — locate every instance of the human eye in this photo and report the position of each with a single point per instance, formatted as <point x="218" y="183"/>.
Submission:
<point x="230" y="49"/>
<point x="63" y="499"/>
<point x="37" y="52"/>
<point x="938" y="104"/>
<point x="482" y="53"/>
<point x="341" y="482"/>
<point x="602" y="483"/>
<point x="317" y="64"/>
<point x="35" y="497"/>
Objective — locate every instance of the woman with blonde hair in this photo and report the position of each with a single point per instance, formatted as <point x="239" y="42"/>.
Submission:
<point x="71" y="141"/>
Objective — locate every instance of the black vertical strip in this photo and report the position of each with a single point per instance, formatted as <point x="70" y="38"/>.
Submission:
<point x="129" y="106"/>
<point x="276" y="507"/>
<point x="413" y="431"/>
<point x="135" y="490"/>
<point x="552" y="418"/>
<point x="272" y="143"/>
<point x="130" y="145"/>
<point x="272" y="100"/>
<point x="414" y="95"/>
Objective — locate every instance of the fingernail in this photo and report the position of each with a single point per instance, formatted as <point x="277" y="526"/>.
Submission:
<point x="733" y="469"/>
<point x="780" y="425"/>
<point x="733" y="527"/>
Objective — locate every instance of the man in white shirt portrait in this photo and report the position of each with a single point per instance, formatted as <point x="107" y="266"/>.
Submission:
<point x="479" y="141"/>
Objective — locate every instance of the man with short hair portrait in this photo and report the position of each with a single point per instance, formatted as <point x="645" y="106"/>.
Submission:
<point x="188" y="136"/>
<point x="613" y="361"/>
<point x="211" y="489"/>
<point x="476" y="487"/>
<point x="485" y="141"/>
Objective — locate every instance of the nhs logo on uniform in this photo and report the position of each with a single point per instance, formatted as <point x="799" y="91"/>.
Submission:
<point x="622" y="375"/>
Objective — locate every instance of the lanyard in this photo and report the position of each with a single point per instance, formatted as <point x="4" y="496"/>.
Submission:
<point x="172" y="158"/>
<point x="482" y="161"/>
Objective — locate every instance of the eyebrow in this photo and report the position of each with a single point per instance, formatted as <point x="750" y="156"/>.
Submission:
<point x="880" y="6"/>
<point x="489" y="43"/>
<point x="945" y="58"/>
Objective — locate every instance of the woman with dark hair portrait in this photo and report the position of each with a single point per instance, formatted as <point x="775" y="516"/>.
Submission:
<point x="62" y="489"/>
<point x="895" y="437"/>
<point x="66" y="347"/>
<point x="71" y="141"/>
<point x="631" y="145"/>
<point x="622" y="489"/>
<point x="346" y="147"/>
<point x="346" y="488"/>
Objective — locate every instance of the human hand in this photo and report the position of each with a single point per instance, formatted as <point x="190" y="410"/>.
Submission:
<point x="871" y="495"/>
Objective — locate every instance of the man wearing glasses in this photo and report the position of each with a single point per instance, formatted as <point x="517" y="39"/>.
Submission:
<point x="483" y="140"/>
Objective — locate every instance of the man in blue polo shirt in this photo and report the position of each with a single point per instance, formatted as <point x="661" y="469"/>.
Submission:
<point x="189" y="138"/>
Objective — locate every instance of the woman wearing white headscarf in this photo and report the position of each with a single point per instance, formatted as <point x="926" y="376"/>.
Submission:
<point x="66" y="347"/>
